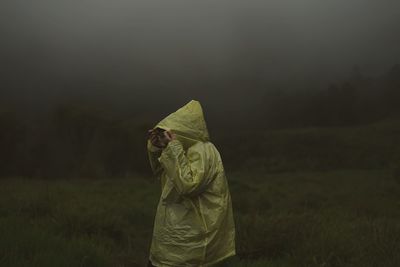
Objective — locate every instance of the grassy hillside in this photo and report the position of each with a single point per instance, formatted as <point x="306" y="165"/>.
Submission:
<point x="336" y="218"/>
<point x="302" y="198"/>
<point x="371" y="146"/>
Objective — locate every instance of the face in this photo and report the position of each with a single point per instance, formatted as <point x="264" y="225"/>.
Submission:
<point x="157" y="137"/>
<point x="159" y="132"/>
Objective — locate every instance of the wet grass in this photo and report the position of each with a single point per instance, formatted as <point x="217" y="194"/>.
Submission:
<point x="332" y="218"/>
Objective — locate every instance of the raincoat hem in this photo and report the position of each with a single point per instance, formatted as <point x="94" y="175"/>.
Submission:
<point x="230" y="254"/>
<point x="208" y="264"/>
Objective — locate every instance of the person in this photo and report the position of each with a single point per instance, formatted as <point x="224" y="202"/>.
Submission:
<point x="194" y="224"/>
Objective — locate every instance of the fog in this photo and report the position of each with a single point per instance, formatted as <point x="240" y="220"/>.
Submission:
<point x="136" y="53"/>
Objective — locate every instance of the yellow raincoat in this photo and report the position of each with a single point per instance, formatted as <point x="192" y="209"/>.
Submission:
<point x="194" y="223"/>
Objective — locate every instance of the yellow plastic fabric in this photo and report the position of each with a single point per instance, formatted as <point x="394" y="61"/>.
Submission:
<point x="194" y="223"/>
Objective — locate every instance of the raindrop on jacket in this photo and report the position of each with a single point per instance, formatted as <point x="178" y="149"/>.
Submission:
<point x="194" y="223"/>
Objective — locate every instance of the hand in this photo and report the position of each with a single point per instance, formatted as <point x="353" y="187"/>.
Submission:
<point x="154" y="137"/>
<point x="166" y="138"/>
<point x="169" y="136"/>
<point x="161" y="139"/>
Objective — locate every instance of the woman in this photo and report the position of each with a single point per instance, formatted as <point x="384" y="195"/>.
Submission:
<point x="194" y="223"/>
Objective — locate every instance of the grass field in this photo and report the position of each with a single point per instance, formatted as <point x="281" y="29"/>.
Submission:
<point x="344" y="217"/>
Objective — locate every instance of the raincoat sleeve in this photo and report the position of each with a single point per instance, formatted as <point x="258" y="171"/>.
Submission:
<point x="154" y="153"/>
<point x="188" y="173"/>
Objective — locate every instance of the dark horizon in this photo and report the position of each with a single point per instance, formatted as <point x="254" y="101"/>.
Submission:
<point x="126" y="52"/>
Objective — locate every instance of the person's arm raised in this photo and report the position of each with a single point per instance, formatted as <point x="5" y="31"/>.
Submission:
<point x="188" y="173"/>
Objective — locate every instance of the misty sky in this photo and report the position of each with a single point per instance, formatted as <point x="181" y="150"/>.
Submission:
<point x="195" y="49"/>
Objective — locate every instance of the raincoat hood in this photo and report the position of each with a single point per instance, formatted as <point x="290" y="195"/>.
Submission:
<point x="187" y="123"/>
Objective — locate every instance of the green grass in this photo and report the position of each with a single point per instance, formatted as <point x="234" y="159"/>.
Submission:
<point x="331" y="218"/>
<point x="370" y="146"/>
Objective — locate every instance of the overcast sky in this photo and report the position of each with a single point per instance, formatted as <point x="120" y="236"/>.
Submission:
<point x="195" y="49"/>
